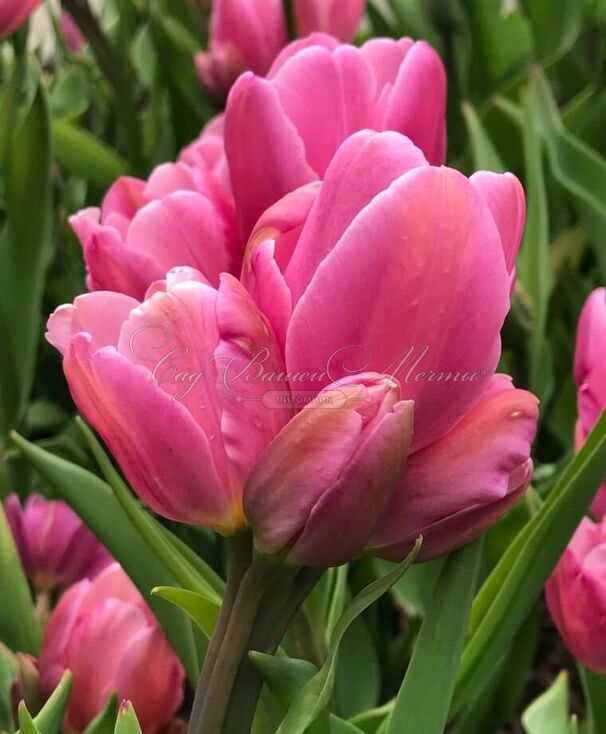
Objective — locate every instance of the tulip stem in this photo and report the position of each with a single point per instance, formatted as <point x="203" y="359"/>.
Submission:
<point x="240" y="559"/>
<point x="115" y="67"/>
<point x="210" y="716"/>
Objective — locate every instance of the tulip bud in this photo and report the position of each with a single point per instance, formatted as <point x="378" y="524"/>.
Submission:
<point x="244" y="34"/>
<point x="72" y="35"/>
<point x="55" y="547"/>
<point x="103" y="632"/>
<point x="576" y="595"/>
<point x="590" y="375"/>
<point x="315" y="494"/>
<point x="339" y="18"/>
<point x="14" y="13"/>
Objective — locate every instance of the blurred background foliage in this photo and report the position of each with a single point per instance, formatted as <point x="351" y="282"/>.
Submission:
<point x="527" y="94"/>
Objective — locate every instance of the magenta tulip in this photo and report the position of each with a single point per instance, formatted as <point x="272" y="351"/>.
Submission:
<point x="14" y="13"/>
<point x="576" y="595"/>
<point x="56" y="549"/>
<point x="167" y="385"/>
<point x="317" y="93"/>
<point x="401" y="268"/>
<point x="72" y="35"/>
<point x="590" y="375"/>
<point x="104" y="632"/>
<point x="340" y="18"/>
<point x="244" y="34"/>
<point x="181" y="216"/>
<point x="315" y="495"/>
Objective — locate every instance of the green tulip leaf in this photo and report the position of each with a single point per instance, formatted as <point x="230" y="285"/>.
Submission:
<point x="26" y="724"/>
<point x="51" y="715"/>
<point x="127" y="722"/>
<point x="315" y="695"/>
<point x="594" y="688"/>
<point x="510" y="591"/>
<point x="105" y="721"/>
<point x="549" y="713"/>
<point x="19" y="628"/>
<point x="203" y="608"/>
<point x="423" y="701"/>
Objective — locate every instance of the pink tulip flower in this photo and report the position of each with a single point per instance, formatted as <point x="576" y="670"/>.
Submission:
<point x="576" y="595"/>
<point x="590" y="376"/>
<point x="318" y="490"/>
<point x="14" y="13"/>
<point x="104" y="632"/>
<point x="166" y="383"/>
<point x="74" y="39"/>
<point x="401" y="268"/>
<point x="244" y="34"/>
<point x="56" y="549"/>
<point x="180" y="216"/>
<point x="340" y="18"/>
<point x="316" y="94"/>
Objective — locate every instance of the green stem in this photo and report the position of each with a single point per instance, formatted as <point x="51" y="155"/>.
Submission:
<point x="240" y="559"/>
<point x="209" y="719"/>
<point x="115" y="67"/>
<point x="284" y="596"/>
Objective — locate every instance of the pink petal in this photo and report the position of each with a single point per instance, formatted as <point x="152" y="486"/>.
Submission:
<point x="152" y="436"/>
<point x="342" y="87"/>
<point x="452" y="490"/>
<point x="339" y="18"/>
<point x="417" y="101"/>
<point x="322" y="40"/>
<point x="386" y="56"/>
<point x="415" y="287"/>
<point x="591" y="336"/>
<point x="100" y="314"/>
<point x="505" y="196"/>
<point x="269" y="161"/>
<point x="364" y="165"/>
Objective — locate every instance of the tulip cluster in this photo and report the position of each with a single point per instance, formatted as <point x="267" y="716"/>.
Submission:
<point x="292" y="333"/>
<point x="577" y="588"/>
<point x="249" y="34"/>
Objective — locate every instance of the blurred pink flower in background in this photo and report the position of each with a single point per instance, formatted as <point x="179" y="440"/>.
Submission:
<point x="576" y="595"/>
<point x="244" y="34"/>
<point x="180" y="216"/>
<point x="317" y="93"/>
<point x="55" y="547"/>
<point x="590" y="375"/>
<point x="165" y="414"/>
<point x="391" y="258"/>
<point x="74" y="39"/>
<point x="14" y="13"/>
<point x="104" y="632"/>
<point x="340" y="18"/>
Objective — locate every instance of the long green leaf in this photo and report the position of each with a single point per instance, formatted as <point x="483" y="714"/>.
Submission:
<point x="19" y="628"/>
<point x="80" y="152"/>
<point x="485" y="155"/>
<point x="96" y="505"/>
<point x="424" y="699"/>
<point x="105" y="721"/>
<point x="579" y="169"/>
<point x="594" y="687"/>
<point x="315" y="695"/>
<point x="507" y="596"/>
<point x="25" y="250"/>
<point x="127" y="722"/>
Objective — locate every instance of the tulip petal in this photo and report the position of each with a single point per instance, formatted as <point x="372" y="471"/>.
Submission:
<point x="591" y="337"/>
<point x="505" y="196"/>
<point x="364" y="165"/>
<point x="269" y="160"/>
<point x="323" y="40"/>
<point x="455" y="488"/>
<point x="385" y="55"/>
<point x="342" y="520"/>
<point x="342" y="87"/>
<point x="116" y="395"/>
<point x="101" y="314"/>
<point x="415" y="288"/>
<point x="417" y="102"/>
